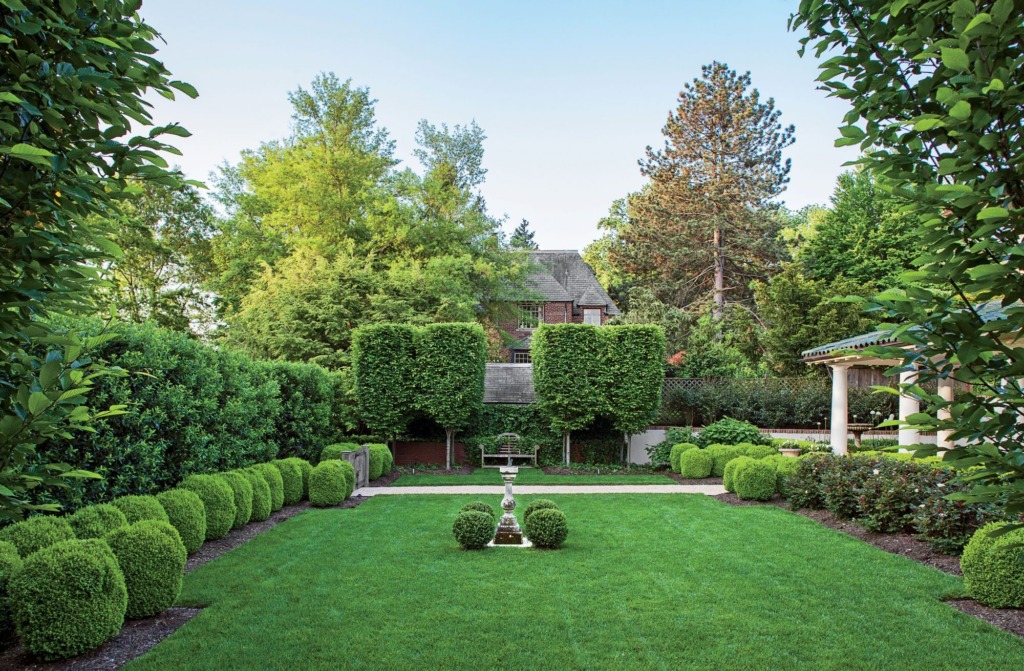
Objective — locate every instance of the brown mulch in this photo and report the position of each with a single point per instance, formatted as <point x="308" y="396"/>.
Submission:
<point x="693" y="481"/>
<point x="138" y="636"/>
<point x="1008" y="619"/>
<point x="388" y="478"/>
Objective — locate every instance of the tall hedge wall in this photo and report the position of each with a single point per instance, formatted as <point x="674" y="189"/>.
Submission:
<point x="193" y="408"/>
<point x="383" y="358"/>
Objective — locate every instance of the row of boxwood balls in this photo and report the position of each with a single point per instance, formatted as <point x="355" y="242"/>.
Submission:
<point x="543" y="524"/>
<point x="68" y="583"/>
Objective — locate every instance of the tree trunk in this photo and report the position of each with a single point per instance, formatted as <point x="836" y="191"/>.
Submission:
<point x="566" y="448"/>
<point x="625" y="448"/>
<point x="449" y="447"/>
<point x="718" y="311"/>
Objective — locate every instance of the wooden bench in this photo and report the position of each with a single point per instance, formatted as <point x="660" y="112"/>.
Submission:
<point x="509" y="449"/>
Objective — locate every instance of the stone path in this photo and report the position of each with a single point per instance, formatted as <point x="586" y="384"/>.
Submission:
<point x="498" y="490"/>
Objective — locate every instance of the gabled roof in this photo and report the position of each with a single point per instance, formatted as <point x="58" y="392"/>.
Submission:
<point x="564" y="276"/>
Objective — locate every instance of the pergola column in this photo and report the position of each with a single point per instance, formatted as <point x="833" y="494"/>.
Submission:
<point x="946" y="393"/>
<point x="840" y="406"/>
<point x="908" y="406"/>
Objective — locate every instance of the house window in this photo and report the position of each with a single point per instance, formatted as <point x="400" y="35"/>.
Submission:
<point x="530" y="315"/>
<point x="521" y="357"/>
<point x="592" y="316"/>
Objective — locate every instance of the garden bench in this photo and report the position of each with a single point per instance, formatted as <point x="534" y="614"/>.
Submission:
<point x="508" y="450"/>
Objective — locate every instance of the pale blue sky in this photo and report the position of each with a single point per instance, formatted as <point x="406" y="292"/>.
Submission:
<point x="568" y="93"/>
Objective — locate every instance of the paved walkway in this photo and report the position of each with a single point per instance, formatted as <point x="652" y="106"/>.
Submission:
<point x="498" y="490"/>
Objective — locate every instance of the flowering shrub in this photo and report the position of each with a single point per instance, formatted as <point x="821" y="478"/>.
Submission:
<point x="842" y="481"/>
<point x="888" y="500"/>
<point x="947" y="525"/>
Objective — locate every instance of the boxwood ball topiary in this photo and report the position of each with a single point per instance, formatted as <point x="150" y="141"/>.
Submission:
<point x="152" y="559"/>
<point x="676" y="451"/>
<point x="539" y="504"/>
<point x="785" y="468"/>
<point x="305" y="468"/>
<point x="242" y="491"/>
<point x="69" y="598"/>
<point x="480" y="506"/>
<point x="473" y="529"/>
<point x="721" y="455"/>
<point x="547" y="528"/>
<point x="97" y="521"/>
<point x="754" y="480"/>
<point x="37" y="533"/>
<point x="187" y="514"/>
<point x="758" y="451"/>
<point x="10" y="563"/>
<point x="336" y="450"/>
<point x="291" y="476"/>
<point x="218" y="503"/>
<point x="728" y="478"/>
<point x="350" y="477"/>
<point x="327" y="484"/>
<point x="138" y="508"/>
<point x="996" y="577"/>
<point x="379" y="456"/>
<point x="260" y="494"/>
<point x="695" y="464"/>
<point x="274" y="480"/>
<point x="389" y="461"/>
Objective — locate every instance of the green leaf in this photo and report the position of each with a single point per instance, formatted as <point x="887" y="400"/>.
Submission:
<point x="961" y="110"/>
<point x="106" y="42"/>
<point x="978" y="20"/>
<point x="187" y="89"/>
<point x="955" y="59"/>
<point x="993" y="213"/>
<point x="8" y="97"/>
<point x="38" y="402"/>
<point x="49" y="373"/>
<point x="928" y="124"/>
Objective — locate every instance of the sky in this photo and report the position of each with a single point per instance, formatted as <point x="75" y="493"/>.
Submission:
<point x="568" y="93"/>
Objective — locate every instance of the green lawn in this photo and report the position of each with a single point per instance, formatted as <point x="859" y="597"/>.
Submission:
<point x="644" y="582"/>
<point x="527" y="476"/>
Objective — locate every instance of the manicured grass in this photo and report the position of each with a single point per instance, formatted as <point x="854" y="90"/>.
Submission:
<point x="527" y="476"/>
<point x="643" y="582"/>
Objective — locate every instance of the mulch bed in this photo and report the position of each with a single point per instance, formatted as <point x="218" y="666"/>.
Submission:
<point x="387" y="479"/>
<point x="138" y="636"/>
<point x="691" y="481"/>
<point x="1008" y="619"/>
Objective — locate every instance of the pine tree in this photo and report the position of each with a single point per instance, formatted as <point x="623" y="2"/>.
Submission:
<point x="522" y="237"/>
<point x="706" y="224"/>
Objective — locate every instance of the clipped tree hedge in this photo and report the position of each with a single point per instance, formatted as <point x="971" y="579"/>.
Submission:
<point x="383" y="368"/>
<point x="450" y="362"/>
<point x="634" y="366"/>
<point x="568" y="377"/>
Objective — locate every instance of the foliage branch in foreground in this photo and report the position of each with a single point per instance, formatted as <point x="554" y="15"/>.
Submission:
<point x="936" y="102"/>
<point x="73" y="76"/>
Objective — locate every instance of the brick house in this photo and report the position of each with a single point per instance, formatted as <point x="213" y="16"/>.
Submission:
<point x="564" y="291"/>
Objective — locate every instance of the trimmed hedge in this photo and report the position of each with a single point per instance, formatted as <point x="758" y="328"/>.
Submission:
<point x="272" y="475"/>
<point x="676" y="451"/>
<point x="152" y="559"/>
<point x="187" y="514"/>
<point x="349" y="471"/>
<point x="754" y="479"/>
<point x="10" y="563"/>
<point x="720" y="456"/>
<point x="547" y="528"/>
<point x="36" y="533"/>
<point x="218" y="503"/>
<point x="473" y="529"/>
<point x="260" y="494"/>
<point x="97" y="521"/>
<point x="728" y="476"/>
<point x="757" y="451"/>
<point x="695" y="464"/>
<point x="200" y="410"/>
<point x="539" y="504"/>
<point x="291" y="476"/>
<point x="305" y="469"/>
<point x="728" y="431"/>
<point x="335" y="451"/>
<point x="992" y="567"/>
<point x="55" y="622"/>
<point x="242" y="492"/>
<point x="327" y="484"/>
<point x="138" y="508"/>
<point x="379" y="457"/>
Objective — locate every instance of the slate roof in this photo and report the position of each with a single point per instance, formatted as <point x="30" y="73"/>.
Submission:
<point x="509" y="383"/>
<point x="563" y="276"/>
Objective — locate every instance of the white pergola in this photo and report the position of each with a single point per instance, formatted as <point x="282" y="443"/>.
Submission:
<point x="843" y="355"/>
